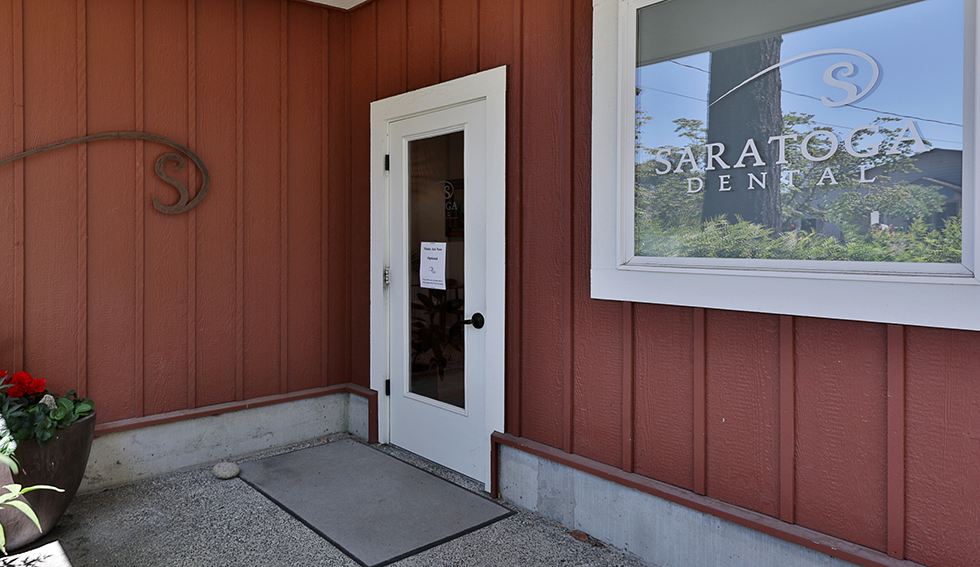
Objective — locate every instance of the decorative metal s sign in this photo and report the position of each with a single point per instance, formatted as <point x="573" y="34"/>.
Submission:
<point x="181" y="206"/>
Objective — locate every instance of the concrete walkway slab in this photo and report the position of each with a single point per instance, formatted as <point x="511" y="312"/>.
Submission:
<point x="372" y="506"/>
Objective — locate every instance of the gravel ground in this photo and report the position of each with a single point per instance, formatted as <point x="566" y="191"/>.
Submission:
<point x="191" y="518"/>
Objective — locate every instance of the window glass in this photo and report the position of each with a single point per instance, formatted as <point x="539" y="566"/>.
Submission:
<point x="839" y="138"/>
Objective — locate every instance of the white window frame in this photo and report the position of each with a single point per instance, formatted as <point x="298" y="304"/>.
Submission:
<point x="934" y="295"/>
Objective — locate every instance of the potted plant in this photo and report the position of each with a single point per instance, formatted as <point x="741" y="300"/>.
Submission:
<point x="12" y="497"/>
<point x="49" y="555"/>
<point x="52" y="435"/>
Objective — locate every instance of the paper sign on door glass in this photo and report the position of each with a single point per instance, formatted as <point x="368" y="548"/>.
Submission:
<point x="432" y="268"/>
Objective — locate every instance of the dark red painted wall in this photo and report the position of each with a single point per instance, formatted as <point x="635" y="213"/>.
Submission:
<point x="865" y="432"/>
<point x="243" y="297"/>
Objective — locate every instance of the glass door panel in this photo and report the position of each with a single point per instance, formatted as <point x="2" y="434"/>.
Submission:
<point x="436" y="287"/>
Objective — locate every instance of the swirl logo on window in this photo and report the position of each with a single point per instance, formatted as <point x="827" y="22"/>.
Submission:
<point x="833" y="76"/>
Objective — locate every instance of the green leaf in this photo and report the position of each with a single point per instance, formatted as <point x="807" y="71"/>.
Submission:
<point x="26" y="509"/>
<point x="41" y="487"/>
<point x="43" y="435"/>
<point x="10" y="461"/>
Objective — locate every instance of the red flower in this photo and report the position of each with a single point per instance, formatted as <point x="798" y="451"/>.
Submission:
<point x="23" y="385"/>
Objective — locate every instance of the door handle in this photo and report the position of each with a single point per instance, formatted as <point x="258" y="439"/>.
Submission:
<point x="477" y="321"/>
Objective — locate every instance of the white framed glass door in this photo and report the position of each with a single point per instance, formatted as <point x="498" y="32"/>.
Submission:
<point x="437" y="369"/>
<point x="438" y="235"/>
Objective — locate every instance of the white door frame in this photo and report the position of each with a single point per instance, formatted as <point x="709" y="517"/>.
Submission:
<point x="489" y="86"/>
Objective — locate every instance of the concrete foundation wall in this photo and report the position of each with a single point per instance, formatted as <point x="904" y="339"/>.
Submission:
<point x="661" y="532"/>
<point x="135" y="454"/>
<point x="358" y="417"/>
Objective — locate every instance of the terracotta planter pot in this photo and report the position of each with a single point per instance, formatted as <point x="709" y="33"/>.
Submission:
<point x="60" y="463"/>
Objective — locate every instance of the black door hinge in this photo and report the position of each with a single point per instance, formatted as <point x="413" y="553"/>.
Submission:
<point x="387" y="162"/>
<point x="388" y="387"/>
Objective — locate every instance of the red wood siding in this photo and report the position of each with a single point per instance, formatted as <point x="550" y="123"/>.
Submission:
<point x="742" y="409"/>
<point x="9" y="145"/>
<point x="663" y="386"/>
<point x="115" y="269"/>
<point x="365" y="44"/>
<point x="785" y="416"/>
<point x="546" y="244"/>
<point x="303" y="241"/>
<point x="942" y="449"/>
<point x="336" y="213"/>
<point x="216" y="275"/>
<point x="866" y="432"/>
<point x="52" y="75"/>
<point x="169" y="380"/>
<point x="246" y="295"/>
<point x="598" y="407"/>
<point x="840" y="429"/>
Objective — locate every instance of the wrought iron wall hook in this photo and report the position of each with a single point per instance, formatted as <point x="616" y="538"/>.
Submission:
<point x="184" y="204"/>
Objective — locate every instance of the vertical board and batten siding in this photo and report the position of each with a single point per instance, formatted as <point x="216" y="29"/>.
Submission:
<point x="741" y="406"/>
<point x="546" y="251"/>
<point x="841" y="444"/>
<point x="866" y="432"/>
<point x="597" y="412"/>
<point x="115" y="270"/>
<point x="869" y="433"/>
<point x="243" y="297"/>
<point x="336" y="201"/>
<point x="942" y="446"/>
<point x="10" y="232"/>
<point x="663" y="392"/>
<point x="168" y="252"/>
<point x="363" y="90"/>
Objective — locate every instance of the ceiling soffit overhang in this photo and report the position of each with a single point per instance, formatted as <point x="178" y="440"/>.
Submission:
<point x="341" y="4"/>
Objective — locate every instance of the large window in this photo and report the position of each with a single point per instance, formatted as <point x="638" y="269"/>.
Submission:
<point x="810" y="158"/>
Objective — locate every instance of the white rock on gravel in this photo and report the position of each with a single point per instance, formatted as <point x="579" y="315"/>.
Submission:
<point x="225" y="471"/>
